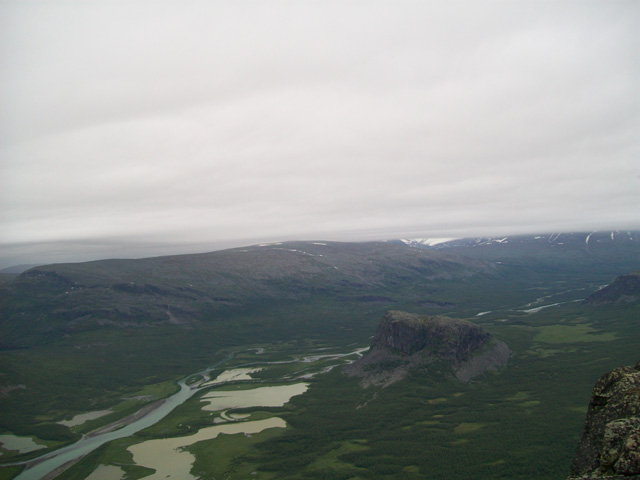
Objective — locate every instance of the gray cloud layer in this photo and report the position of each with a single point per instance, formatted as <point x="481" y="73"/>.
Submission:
<point x="202" y="123"/>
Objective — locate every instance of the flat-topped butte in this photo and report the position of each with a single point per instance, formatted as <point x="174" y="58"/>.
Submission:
<point x="405" y="340"/>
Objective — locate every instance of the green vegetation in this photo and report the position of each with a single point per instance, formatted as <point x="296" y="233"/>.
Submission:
<point x="571" y="334"/>
<point x="221" y="456"/>
<point x="114" y="453"/>
<point x="7" y="473"/>
<point x="467" y="428"/>
<point x="521" y="422"/>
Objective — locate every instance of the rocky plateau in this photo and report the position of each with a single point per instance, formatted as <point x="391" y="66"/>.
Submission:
<point x="405" y="340"/>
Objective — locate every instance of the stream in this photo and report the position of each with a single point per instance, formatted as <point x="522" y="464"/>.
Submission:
<point x="45" y="464"/>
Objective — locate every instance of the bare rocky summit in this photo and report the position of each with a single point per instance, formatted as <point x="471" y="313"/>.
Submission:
<point x="610" y="445"/>
<point x="405" y="340"/>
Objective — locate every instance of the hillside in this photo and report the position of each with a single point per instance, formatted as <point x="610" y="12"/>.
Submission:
<point x="89" y="330"/>
<point x="187" y="290"/>
<point x="625" y="288"/>
<point x="594" y="242"/>
<point x="611" y="251"/>
<point x="115" y="335"/>
<point x="404" y="341"/>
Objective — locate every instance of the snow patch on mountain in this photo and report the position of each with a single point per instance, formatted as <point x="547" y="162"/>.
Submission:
<point x="586" y="240"/>
<point x="566" y="240"/>
<point x="429" y="242"/>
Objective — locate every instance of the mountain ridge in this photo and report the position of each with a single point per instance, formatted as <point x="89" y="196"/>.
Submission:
<point x="586" y="239"/>
<point x="188" y="289"/>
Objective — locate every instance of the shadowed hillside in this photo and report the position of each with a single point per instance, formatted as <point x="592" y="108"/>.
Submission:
<point x="187" y="290"/>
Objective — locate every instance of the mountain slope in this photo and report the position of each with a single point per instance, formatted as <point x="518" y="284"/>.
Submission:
<point x="616" y="251"/>
<point x="625" y="288"/>
<point x="189" y="289"/>
<point x="90" y="330"/>
<point x="124" y="327"/>
<point x="589" y="241"/>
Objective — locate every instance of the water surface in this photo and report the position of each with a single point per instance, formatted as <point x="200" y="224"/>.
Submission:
<point x="256" y="397"/>
<point x="170" y="459"/>
<point x="21" y="444"/>
<point x="84" y="417"/>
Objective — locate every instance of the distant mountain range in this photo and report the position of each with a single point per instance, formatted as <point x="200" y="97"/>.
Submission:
<point x="577" y="240"/>
<point x="582" y="240"/>
<point x="77" y="333"/>
<point x="613" y="251"/>
<point x="188" y="289"/>
<point x="16" y="269"/>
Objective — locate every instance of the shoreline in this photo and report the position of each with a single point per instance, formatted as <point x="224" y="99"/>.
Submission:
<point x="128" y="420"/>
<point x="65" y="466"/>
<point x="116" y="429"/>
<point x="110" y="427"/>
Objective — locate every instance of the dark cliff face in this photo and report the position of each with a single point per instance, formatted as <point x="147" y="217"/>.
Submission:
<point x="442" y="337"/>
<point x="625" y="288"/>
<point x="610" y="445"/>
<point x="405" y="340"/>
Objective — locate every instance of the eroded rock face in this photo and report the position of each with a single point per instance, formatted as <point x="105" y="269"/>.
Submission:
<point x="610" y="445"/>
<point x="405" y="340"/>
<point x="441" y="336"/>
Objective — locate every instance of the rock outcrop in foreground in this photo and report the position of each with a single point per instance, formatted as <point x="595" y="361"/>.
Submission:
<point x="610" y="445"/>
<point x="405" y="340"/>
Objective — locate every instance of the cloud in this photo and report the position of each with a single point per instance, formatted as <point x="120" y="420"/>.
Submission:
<point x="197" y="123"/>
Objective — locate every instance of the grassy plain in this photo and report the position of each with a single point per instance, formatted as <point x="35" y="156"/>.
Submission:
<point x="520" y="423"/>
<point x="523" y="422"/>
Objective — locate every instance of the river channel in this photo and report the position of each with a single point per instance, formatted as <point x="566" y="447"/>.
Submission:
<point x="47" y="463"/>
<point x="44" y="465"/>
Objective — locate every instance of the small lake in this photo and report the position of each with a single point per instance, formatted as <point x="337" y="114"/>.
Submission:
<point x="256" y="397"/>
<point x="84" y="417"/>
<point x="106" y="472"/>
<point x="232" y="376"/>
<point x="173" y="460"/>
<point x="170" y="459"/>
<point x="21" y="444"/>
<point x="50" y="461"/>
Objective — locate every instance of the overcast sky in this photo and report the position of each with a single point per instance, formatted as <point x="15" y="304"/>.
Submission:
<point x="137" y="128"/>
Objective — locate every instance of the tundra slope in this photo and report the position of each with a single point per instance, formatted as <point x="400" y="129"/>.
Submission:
<point x="624" y="289"/>
<point x="187" y="290"/>
<point x="581" y="252"/>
